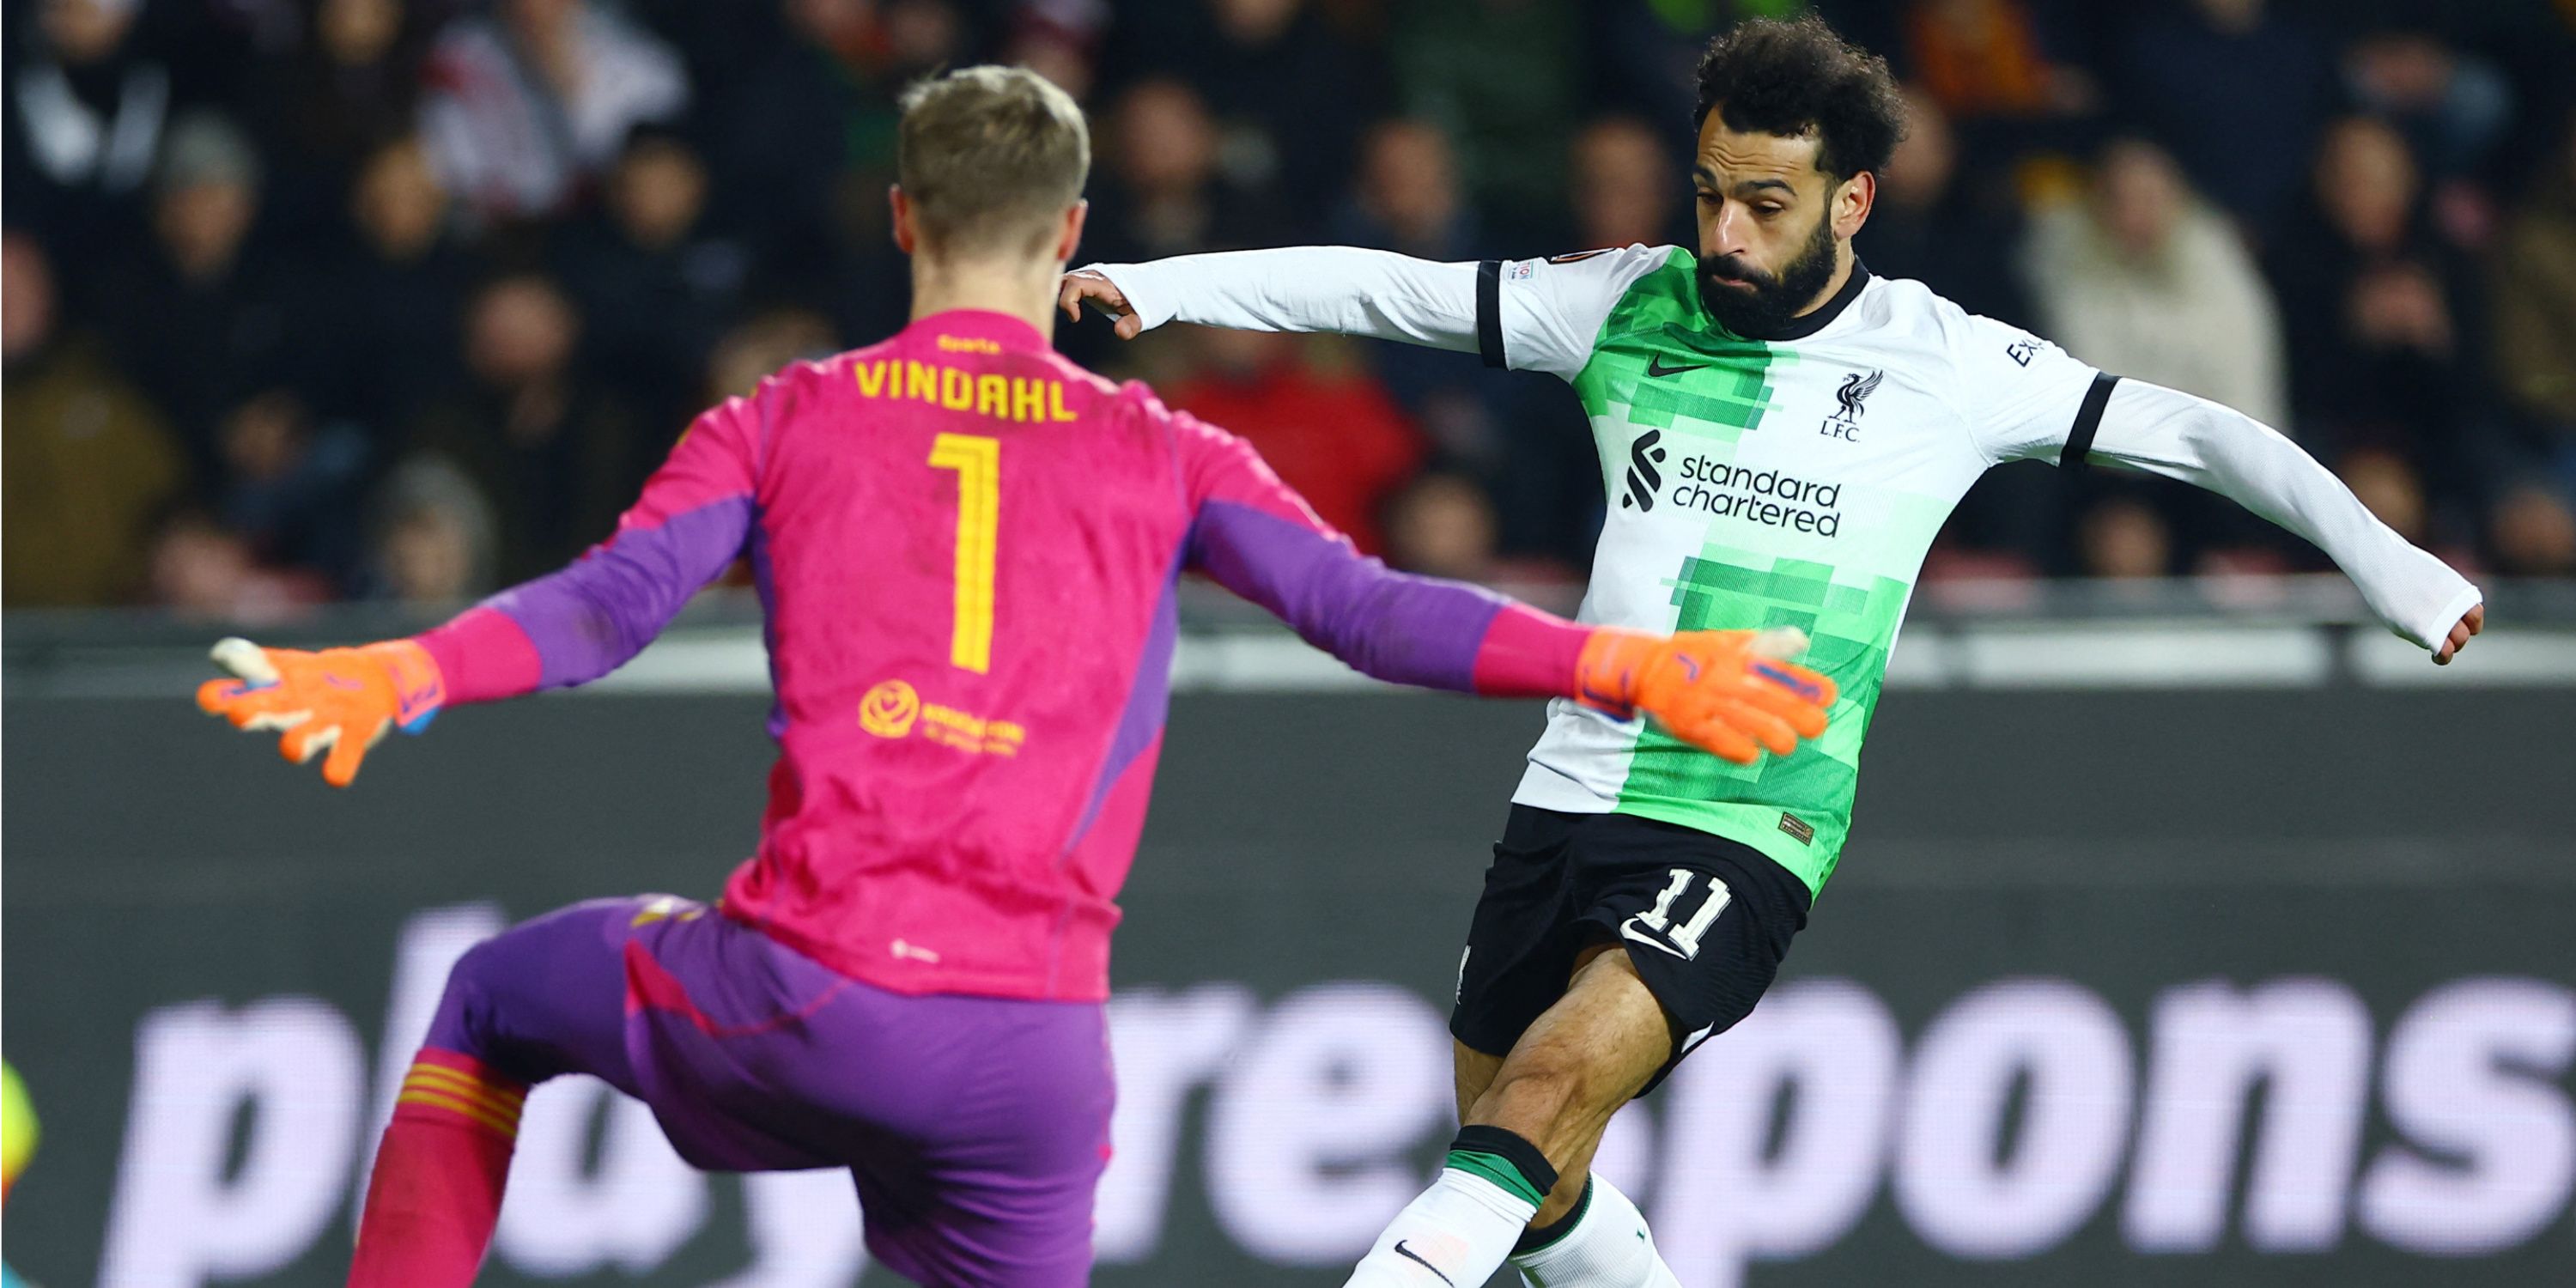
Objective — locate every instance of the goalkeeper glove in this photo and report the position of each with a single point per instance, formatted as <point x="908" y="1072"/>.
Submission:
<point x="340" y="700"/>
<point x="1729" y="693"/>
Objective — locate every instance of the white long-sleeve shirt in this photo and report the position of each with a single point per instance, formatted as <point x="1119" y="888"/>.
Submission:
<point x="1797" y="479"/>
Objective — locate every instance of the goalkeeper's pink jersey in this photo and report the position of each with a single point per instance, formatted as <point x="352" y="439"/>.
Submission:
<point x="967" y="549"/>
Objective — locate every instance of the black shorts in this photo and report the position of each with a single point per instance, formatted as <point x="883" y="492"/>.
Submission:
<point x="1705" y="919"/>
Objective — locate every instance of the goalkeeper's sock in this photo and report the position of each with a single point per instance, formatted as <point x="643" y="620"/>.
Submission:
<point x="1602" y="1243"/>
<point x="436" y="1192"/>
<point x="1458" y="1232"/>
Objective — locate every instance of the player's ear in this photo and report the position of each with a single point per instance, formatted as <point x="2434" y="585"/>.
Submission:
<point x="1853" y="198"/>
<point x="1070" y="235"/>
<point x="905" y="238"/>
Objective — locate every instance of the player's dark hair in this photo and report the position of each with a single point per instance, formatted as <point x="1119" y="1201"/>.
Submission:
<point x="1790" y="78"/>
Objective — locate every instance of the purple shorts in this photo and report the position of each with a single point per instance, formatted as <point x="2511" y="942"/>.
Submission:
<point x="976" y="1128"/>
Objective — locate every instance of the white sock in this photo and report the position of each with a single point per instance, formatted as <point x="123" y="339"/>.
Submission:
<point x="1454" y="1236"/>
<point x="1608" y="1247"/>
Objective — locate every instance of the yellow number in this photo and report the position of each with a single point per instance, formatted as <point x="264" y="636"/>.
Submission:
<point x="978" y="462"/>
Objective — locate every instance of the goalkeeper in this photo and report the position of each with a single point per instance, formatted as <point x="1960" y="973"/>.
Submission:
<point x="1782" y="434"/>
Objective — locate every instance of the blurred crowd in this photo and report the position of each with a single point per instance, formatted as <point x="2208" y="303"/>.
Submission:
<point x="401" y="299"/>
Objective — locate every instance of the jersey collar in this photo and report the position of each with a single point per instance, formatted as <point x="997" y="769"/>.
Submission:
<point x="1002" y="329"/>
<point x="1799" y="328"/>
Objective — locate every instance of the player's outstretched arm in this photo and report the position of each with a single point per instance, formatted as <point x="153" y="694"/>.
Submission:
<point x="1528" y="315"/>
<point x="1732" y="693"/>
<point x="2213" y="446"/>
<point x="567" y="628"/>
<point x="1345" y="289"/>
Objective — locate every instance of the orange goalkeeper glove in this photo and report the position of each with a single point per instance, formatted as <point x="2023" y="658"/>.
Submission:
<point x="340" y="700"/>
<point x="1729" y="693"/>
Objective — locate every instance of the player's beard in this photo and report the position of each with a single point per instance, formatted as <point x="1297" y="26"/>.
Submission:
<point x="1756" y="304"/>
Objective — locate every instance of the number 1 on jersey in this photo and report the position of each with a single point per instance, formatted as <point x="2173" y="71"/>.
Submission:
<point x="978" y="462"/>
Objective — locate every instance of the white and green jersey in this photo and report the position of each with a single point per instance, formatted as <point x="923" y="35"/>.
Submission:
<point x="1796" y="480"/>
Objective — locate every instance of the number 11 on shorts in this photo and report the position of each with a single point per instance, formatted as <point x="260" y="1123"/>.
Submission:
<point x="1682" y="940"/>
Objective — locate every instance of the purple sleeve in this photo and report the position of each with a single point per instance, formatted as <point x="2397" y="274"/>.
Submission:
<point x="1259" y="539"/>
<point x="581" y="623"/>
<point x="1390" y="625"/>
<point x="602" y="609"/>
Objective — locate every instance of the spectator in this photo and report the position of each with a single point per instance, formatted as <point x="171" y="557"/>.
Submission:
<point x="1259" y="65"/>
<point x="2535" y="309"/>
<point x="1953" y="233"/>
<point x="290" y="488"/>
<point x="208" y="316"/>
<point x="1624" y="194"/>
<point x="2387" y="483"/>
<point x="658" y="286"/>
<point x="1330" y="431"/>
<point x="1501" y="77"/>
<point x="85" y="117"/>
<point x="2452" y="107"/>
<point x="1165" y="195"/>
<point x="2233" y="87"/>
<point x="2534" y="533"/>
<point x="1956" y="234"/>
<point x="750" y="352"/>
<point x="1059" y="40"/>
<point x="1987" y="58"/>
<point x="396" y="314"/>
<point x="526" y="106"/>
<point x="205" y="572"/>
<point x="558" y="453"/>
<point x="89" y="461"/>
<point x="2146" y="281"/>
<point x="1408" y="198"/>
<point x="1442" y="525"/>
<point x="2377" y="354"/>
<point x="1645" y="51"/>
<point x="435" y="540"/>
<point x="803" y="126"/>
<point x="2124" y="538"/>
<point x="345" y="92"/>
<point x="922" y="36"/>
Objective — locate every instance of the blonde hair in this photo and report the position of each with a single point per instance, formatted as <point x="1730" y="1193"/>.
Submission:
<point x="990" y="157"/>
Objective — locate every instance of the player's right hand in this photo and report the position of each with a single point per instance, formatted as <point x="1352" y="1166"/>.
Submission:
<point x="2471" y="623"/>
<point x="1083" y="284"/>
<point x="340" y="700"/>
<point x="1733" y="694"/>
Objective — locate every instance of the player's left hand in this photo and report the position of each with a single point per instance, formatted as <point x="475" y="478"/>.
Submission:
<point x="2470" y="623"/>
<point x="339" y="700"/>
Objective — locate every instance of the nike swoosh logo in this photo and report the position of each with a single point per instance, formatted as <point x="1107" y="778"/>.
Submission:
<point x="1628" y="930"/>
<point x="1655" y="367"/>
<point x="1416" y="1258"/>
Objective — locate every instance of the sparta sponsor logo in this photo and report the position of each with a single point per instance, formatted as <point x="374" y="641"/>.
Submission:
<point x="894" y="709"/>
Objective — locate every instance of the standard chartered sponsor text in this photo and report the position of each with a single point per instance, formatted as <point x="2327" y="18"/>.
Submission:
<point x="1773" y="498"/>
